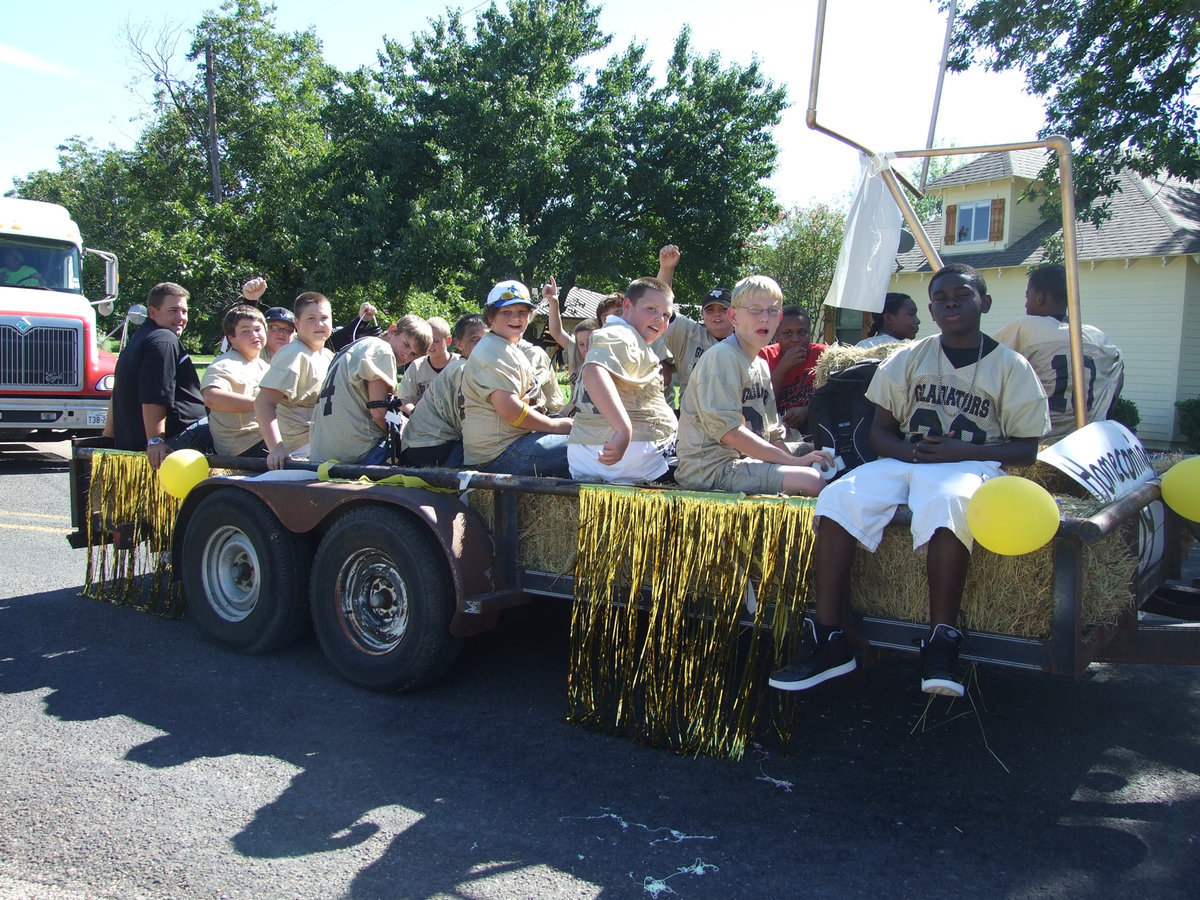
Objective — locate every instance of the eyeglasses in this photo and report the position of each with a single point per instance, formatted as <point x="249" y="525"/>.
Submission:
<point x="760" y="311"/>
<point x="281" y="329"/>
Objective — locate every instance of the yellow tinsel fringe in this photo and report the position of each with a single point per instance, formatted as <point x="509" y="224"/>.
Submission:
<point x="689" y="672"/>
<point x="125" y="493"/>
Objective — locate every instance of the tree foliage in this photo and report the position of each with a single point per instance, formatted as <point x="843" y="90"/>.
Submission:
<point x="1118" y="77"/>
<point x="800" y="251"/>
<point x="475" y="151"/>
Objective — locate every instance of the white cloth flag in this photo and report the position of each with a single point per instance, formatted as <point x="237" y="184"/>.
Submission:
<point x="868" y="254"/>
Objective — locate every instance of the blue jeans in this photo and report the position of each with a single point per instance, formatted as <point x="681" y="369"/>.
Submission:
<point x="535" y="453"/>
<point x="377" y="455"/>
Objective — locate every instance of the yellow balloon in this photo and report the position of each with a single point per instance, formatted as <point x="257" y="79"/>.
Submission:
<point x="1011" y="515"/>
<point x="1181" y="488"/>
<point x="181" y="471"/>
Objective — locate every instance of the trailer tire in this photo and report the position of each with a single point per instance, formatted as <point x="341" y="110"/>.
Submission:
<point x="382" y="601"/>
<point x="245" y="575"/>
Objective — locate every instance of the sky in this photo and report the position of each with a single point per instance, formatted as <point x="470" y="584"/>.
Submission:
<point x="877" y="82"/>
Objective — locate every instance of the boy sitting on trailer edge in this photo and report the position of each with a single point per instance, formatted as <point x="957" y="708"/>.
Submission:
<point x="730" y="436"/>
<point x="951" y="410"/>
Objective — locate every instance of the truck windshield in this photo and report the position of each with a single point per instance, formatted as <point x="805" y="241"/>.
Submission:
<point x="39" y="264"/>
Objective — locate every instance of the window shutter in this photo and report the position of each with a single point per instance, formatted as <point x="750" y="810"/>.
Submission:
<point x="951" y="224"/>
<point x="996" y="226"/>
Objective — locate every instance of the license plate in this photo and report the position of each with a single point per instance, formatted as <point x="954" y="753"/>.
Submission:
<point x="97" y="418"/>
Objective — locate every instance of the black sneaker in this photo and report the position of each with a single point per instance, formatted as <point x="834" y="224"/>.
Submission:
<point x="939" y="654"/>
<point x="815" y="661"/>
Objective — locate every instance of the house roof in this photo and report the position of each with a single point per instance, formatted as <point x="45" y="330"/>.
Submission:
<point x="579" y="304"/>
<point x="1150" y="217"/>
<point x="995" y="166"/>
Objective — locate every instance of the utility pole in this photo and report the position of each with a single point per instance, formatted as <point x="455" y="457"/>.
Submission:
<point x="214" y="156"/>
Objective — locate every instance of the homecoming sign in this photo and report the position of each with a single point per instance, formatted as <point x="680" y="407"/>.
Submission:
<point x="1110" y="462"/>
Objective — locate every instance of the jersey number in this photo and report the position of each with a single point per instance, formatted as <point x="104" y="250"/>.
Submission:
<point x="1058" y="399"/>
<point x="927" y="422"/>
<point x="327" y="395"/>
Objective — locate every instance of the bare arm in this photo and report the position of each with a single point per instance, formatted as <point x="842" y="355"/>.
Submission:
<point x="220" y="400"/>
<point x="668" y="259"/>
<point x="555" y="326"/>
<point x="154" y="420"/>
<point x="264" y="410"/>
<point x="515" y="411"/>
<point x="377" y="391"/>
<point x="603" y="392"/>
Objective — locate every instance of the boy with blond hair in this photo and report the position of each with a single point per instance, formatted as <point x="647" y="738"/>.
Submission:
<point x="350" y="423"/>
<point x="624" y="430"/>
<point x="288" y="392"/>
<point x="730" y="436"/>
<point x="418" y="376"/>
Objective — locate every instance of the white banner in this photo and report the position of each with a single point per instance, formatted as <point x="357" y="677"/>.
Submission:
<point x="868" y="254"/>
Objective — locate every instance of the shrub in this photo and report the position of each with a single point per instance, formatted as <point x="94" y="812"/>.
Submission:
<point x="1188" y="421"/>
<point x="1126" y="412"/>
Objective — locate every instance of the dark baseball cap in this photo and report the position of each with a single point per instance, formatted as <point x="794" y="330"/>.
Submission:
<point x="280" y="314"/>
<point x="718" y="295"/>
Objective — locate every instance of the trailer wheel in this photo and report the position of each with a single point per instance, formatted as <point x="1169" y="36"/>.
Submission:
<point x="382" y="601"/>
<point x="244" y="574"/>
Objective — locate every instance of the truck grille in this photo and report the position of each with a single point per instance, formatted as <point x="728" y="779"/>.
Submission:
<point x="39" y="354"/>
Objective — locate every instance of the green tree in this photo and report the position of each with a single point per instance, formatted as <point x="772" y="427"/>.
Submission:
<point x="800" y="251"/>
<point x="1118" y="78"/>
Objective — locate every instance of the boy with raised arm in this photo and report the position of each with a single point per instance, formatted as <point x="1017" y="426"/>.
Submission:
<point x="951" y="410"/>
<point x="624" y="430"/>
<point x="730" y="436"/>
<point x="231" y="382"/>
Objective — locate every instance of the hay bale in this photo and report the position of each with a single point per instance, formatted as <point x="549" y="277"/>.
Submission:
<point x="1010" y="595"/>
<point x="549" y="537"/>
<point x="842" y="356"/>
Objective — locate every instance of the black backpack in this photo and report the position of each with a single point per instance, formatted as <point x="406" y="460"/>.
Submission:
<point x="840" y="415"/>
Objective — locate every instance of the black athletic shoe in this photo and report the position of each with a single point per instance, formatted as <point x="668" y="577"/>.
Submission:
<point x="939" y="655"/>
<point x="815" y="662"/>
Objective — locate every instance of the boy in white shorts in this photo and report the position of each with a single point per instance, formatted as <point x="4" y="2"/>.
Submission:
<point x="624" y="430"/>
<point x="950" y="411"/>
<point x="730" y="436"/>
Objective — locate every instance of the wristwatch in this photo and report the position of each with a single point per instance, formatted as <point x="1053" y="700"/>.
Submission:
<point x="155" y="440"/>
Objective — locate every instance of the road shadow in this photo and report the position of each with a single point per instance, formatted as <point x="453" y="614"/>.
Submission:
<point x="1086" y="787"/>
<point x="29" y="459"/>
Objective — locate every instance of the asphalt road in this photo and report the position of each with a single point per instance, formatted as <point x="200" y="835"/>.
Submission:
<point x="137" y="760"/>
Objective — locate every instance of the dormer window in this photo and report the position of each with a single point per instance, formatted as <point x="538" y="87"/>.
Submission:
<point x="975" y="223"/>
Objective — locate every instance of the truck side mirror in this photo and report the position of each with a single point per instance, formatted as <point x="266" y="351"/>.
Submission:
<point x="136" y="314"/>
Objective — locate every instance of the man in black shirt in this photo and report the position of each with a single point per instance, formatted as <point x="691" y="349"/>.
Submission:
<point x="157" y="392"/>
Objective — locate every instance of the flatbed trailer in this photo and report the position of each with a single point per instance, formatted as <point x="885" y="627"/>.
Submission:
<point x="397" y="576"/>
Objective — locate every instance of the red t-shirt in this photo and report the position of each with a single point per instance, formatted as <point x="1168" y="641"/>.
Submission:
<point x="797" y="388"/>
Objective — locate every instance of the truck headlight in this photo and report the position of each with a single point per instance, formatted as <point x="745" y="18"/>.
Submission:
<point x="106" y="383"/>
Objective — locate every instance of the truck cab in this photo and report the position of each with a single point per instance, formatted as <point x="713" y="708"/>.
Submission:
<point x="55" y="379"/>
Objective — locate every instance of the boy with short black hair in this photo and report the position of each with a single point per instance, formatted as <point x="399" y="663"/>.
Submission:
<point x="1042" y="336"/>
<point x="624" y="430"/>
<point x="288" y="391"/>
<point x="951" y="410"/>
<point x="433" y="435"/>
<point x="231" y="382"/>
<point x="792" y="360"/>
<point x="730" y="436"/>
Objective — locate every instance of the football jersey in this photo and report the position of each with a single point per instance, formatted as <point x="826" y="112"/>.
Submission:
<point x="232" y="432"/>
<point x="437" y="419"/>
<point x="988" y="401"/>
<point x="417" y="378"/>
<point x="342" y="426"/>
<point x="637" y="376"/>
<point x="296" y="372"/>
<point x="495" y="365"/>
<point x="729" y="387"/>
<point x="1045" y="342"/>
<point x="686" y="343"/>
<point x="549" y="395"/>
